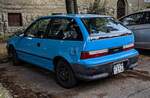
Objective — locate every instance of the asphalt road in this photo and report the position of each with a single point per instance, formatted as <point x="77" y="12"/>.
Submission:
<point x="27" y="81"/>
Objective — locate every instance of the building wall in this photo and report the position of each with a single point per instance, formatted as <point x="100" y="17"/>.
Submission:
<point x="1" y="25"/>
<point x="31" y="9"/>
<point x="131" y="6"/>
<point x="83" y="5"/>
<point x="135" y="5"/>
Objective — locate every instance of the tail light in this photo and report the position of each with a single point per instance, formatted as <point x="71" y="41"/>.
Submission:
<point x="93" y="54"/>
<point x="98" y="53"/>
<point x="128" y="47"/>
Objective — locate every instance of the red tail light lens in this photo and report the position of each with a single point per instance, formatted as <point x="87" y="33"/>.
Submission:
<point x="93" y="54"/>
<point x="98" y="53"/>
<point x="128" y="47"/>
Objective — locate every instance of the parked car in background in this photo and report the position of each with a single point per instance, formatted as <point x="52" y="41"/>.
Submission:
<point x="76" y="47"/>
<point x="139" y="23"/>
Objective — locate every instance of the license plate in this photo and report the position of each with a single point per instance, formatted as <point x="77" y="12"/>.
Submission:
<point x="118" y="68"/>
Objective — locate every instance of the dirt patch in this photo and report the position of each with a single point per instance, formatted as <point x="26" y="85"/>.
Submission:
<point x="101" y="95"/>
<point x="8" y="80"/>
<point x="137" y="74"/>
<point x="16" y="90"/>
<point x="4" y="59"/>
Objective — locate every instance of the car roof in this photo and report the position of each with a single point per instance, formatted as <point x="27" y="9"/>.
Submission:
<point x="145" y="10"/>
<point x="76" y="15"/>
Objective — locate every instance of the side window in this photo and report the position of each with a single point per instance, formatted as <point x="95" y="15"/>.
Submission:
<point x="38" y="29"/>
<point x="42" y="28"/>
<point x="32" y="30"/>
<point x="55" y="25"/>
<point x="135" y="19"/>
<point x="64" y="29"/>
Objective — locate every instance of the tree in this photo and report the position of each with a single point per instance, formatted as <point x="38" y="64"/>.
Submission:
<point x="71" y="6"/>
<point x="75" y="6"/>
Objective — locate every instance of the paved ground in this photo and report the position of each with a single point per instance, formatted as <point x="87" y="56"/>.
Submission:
<point x="27" y="81"/>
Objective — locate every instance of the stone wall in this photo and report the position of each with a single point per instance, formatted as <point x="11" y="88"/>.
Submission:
<point x="131" y="6"/>
<point x="83" y="5"/>
<point x="1" y="24"/>
<point x="135" y="5"/>
<point x="32" y="9"/>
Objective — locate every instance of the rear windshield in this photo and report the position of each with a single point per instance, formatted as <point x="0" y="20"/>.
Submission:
<point x="104" y="27"/>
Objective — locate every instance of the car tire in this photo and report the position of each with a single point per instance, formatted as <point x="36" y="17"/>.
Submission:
<point x="65" y="75"/>
<point x="131" y="68"/>
<point x="12" y="55"/>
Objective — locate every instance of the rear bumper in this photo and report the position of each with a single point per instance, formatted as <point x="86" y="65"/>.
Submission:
<point x="102" y="71"/>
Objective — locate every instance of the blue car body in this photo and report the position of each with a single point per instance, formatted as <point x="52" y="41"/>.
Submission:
<point x="44" y="52"/>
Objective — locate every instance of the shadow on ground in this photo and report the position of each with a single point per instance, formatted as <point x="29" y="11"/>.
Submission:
<point x="144" y="52"/>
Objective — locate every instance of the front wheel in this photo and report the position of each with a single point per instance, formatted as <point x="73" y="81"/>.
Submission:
<point x="13" y="56"/>
<point x="64" y="75"/>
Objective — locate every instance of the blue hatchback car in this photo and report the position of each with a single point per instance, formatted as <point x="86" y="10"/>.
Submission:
<point x="75" y="47"/>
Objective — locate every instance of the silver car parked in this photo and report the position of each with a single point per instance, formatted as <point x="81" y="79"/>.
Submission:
<point x="139" y="23"/>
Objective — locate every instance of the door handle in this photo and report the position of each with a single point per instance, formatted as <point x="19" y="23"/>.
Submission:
<point x="38" y="44"/>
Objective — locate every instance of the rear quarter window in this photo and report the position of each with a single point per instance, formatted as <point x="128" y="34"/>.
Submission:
<point x="65" y="29"/>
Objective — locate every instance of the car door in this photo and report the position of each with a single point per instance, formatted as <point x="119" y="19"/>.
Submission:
<point x="71" y="39"/>
<point x="64" y="41"/>
<point x="140" y="27"/>
<point x="30" y="47"/>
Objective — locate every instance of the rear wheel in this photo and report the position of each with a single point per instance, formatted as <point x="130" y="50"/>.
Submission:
<point x="131" y="68"/>
<point x="64" y="75"/>
<point x="13" y="56"/>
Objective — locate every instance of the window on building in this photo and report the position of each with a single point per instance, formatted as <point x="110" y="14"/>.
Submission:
<point x="14" y="19"/>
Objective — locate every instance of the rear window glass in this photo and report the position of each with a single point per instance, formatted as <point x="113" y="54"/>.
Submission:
<point x="104" y="26"/>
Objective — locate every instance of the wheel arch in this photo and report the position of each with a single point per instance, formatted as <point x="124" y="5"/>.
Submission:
<point x="9" y="47"/>
<point x="57" y="58"/>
